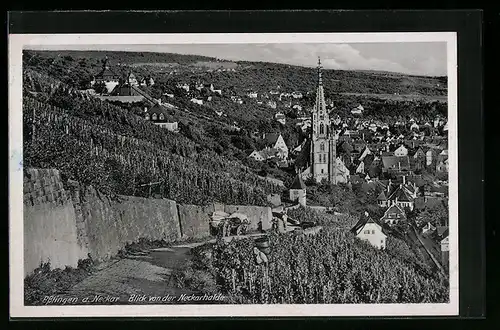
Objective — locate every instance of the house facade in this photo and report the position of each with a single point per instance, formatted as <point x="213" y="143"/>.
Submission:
<point x="276" y="141"/>
<point x="401" y="151"/>
<point x="393" y="215"/>
<point x="368" y="230"/>
<point x="298" y="191"/>
<point x="159" y="116"/>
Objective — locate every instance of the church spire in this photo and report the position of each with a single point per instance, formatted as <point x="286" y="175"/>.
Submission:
<point x="320" y="80"/>
<point x="320" y="104"/>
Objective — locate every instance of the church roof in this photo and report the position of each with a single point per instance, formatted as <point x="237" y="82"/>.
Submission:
<point x="298" y="183"/>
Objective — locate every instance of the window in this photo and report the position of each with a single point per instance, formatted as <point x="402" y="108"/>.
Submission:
<point x="147" y="116"/>
<point x="153" y="116"/>
<point x="366" y="231"/>
<point x="322" y="171"/>
<point x="161" y="116"/>
<point x="321" y="129"/>
<point x="373" y="231"/>
<point x="322" y="147"/>
<point x="321" y="117"/>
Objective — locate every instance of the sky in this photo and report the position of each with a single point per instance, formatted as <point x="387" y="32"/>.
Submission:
<point x="417" y="58"/>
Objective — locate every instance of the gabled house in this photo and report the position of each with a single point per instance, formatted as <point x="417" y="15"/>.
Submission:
<point x="419" y="154"/>
<point x="382" y="199"/>
<point x="275" y="140"/>
<point x="358" y="110"/>
<point x="132" y="80"/>
<point x="371" y="231"/>
<point x="402" y="151"/>
<point x="442" y="166"/>
<point x="280" y="118"/>
<point x="256" y="155"/>
<point x="428" y="228"/>
<point x="402" y="197"/>
<point x="159" y="116"/>
<point x="393" y="215"/>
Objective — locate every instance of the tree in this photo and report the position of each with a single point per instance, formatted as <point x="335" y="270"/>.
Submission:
<point x="438" y="214"/>
<point x="100" y="87"/>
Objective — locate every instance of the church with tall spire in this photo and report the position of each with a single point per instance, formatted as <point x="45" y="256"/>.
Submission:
<point x="323" y="141"/>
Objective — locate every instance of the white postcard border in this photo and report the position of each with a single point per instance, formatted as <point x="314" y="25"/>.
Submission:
<point x="17" y="309"/>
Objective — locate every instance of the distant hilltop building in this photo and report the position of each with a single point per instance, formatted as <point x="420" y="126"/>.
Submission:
<point x="358" y="110"/>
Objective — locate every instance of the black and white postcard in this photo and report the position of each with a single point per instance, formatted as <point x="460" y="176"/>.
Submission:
<point x="233" y="174"/>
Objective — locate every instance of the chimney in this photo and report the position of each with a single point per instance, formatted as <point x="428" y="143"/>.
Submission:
<point x="404" y="179"/>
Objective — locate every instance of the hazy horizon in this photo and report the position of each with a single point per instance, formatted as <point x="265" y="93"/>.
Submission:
<point x="413" y="58"/>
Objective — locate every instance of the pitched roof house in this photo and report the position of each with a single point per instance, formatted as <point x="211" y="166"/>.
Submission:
<point x="159" y="116"/>
<point x="382" y="199"/>
<point x="393" y="215"/>
<point x="275" y="140"/>
<point x="256" y="155"/>
<point x="371" y="231"/>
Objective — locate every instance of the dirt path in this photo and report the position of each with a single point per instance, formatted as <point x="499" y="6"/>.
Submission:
<point x="146" y="273"/>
